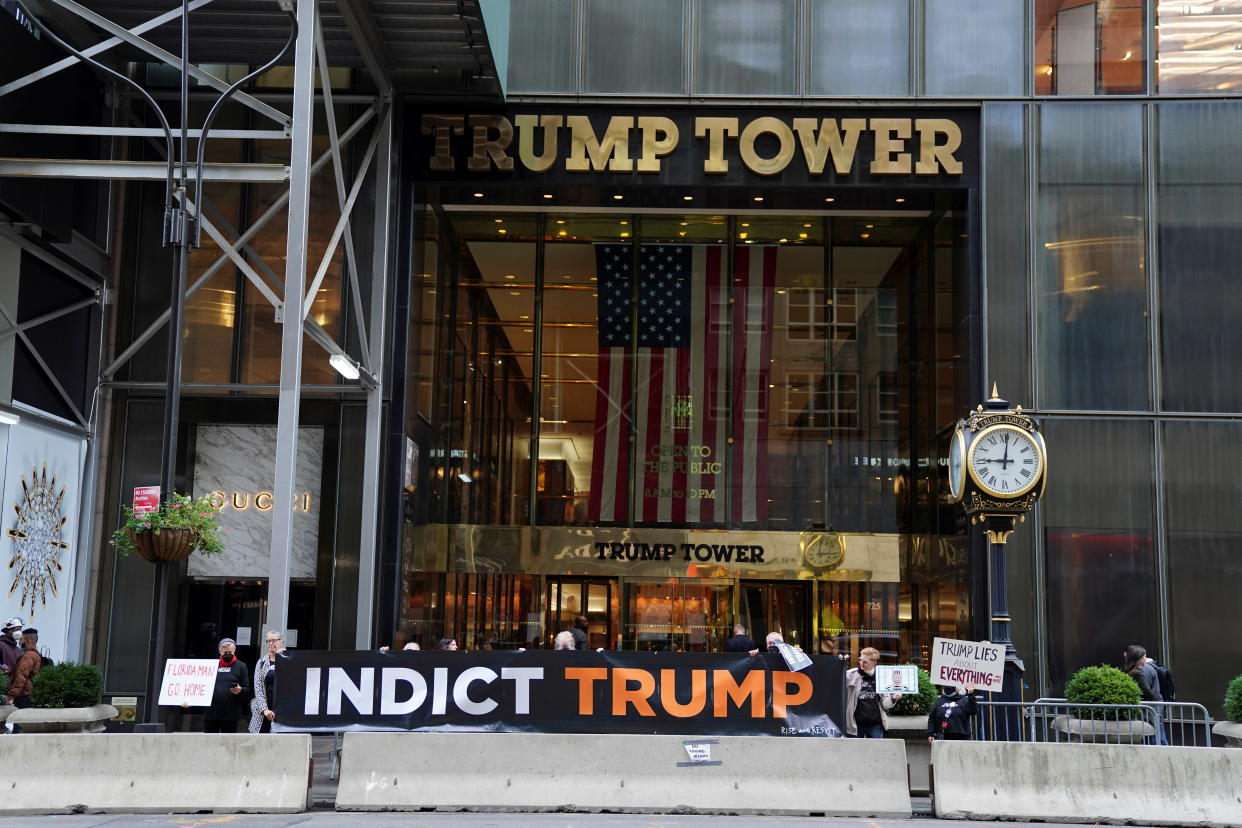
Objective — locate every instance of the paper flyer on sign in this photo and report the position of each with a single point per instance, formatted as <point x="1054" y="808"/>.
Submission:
<point x="897" y="678"/>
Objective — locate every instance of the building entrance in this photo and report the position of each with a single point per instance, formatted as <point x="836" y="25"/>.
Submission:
<point x="593" y="598"/>
<point x="776" y="606"/>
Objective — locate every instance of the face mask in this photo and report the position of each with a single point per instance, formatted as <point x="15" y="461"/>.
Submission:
<point x="228" y="659"/>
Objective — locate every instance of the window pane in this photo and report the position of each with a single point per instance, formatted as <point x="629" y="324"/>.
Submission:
<point x="1089" y="48"/>
<point x="1199" y="198"/>
<point x="1198" y="46"/>
<point x="974" y="47"/>
<point x="570" y="388"/>
<point x="746" y="47"/>
<point x="1005" y="222"/>
<point x="1204" y="531"/>
<point x="860" y="48"/>
<point x="1091" y="280"/>
<point x="635" y="47"/>
<point x="543" y="49"/>
<point x="1098" y="531"/>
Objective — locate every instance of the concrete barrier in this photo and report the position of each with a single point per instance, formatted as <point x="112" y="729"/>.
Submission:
<point x="1072" y="782"/>
<point x="635" y="773"/>
<point x="155" y="773"/>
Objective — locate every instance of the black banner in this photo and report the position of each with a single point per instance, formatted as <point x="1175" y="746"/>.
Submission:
<point x="546" y="691"/>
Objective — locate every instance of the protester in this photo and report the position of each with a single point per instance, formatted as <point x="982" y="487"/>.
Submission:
<point x="564" y="641"/>
<point x="950" y="716"/>
<point x="447" y="644"/>
<point x="1164" y="679"/>
<point x="10" y="649"/>
<point x="263" y="706"/>
<point x="228" y="700"/>
<point x="28" y="666"/>
<point x="866" y="715"/>
<point x="740" y="642"/>
<point x="579" y="632"/>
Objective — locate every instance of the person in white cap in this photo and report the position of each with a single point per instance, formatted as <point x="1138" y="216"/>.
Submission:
<point x="10" y="650"/>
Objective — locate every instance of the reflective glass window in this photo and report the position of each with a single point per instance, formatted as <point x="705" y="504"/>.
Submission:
<point x="746" y="47"/>
<point x="1199" y="45"/>
<point x="860" y="48"/>
<point x="974" y="47"/>
<point x="1006" y="229"/>
<point x="1204" y="525"/>
<point x="635" y="47"/>
<point x="1089" y="48"/>
<point x="543" y="46"/>
<point x="1199" y="204"/>
<point x="1099" y="539"/>
<point x="1091" y="283"/>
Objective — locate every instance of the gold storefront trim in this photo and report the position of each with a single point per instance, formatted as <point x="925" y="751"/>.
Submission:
<point x="684" y="553"/>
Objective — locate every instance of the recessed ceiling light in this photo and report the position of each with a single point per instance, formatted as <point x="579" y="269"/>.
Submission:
<point x="499" y="221"/>
<point x="687" y="198"/>
<point x="806" y="225"/>
<point x="746" y="224"/>
<point x="758" y="198"/>
<point x="684" y="223"/>
<point x="547" y="195"/>
<point x="524" y="316"/>
<point x="901" y="201"/>
<point x="510" y="276"/>
<point x="625" y="235"/>
<point x="802" y="235"/>
<point x="618" y="196"/>
<point x="560" y="221"/>
<point x="625" y="222"/>
<point x="830" y="200"/>
<point x="865" y="235"/>
<point x="784" y="241"/>
<point x="502" y="230"/>
<point x="515" y="293"/>
<point x="870" y="226"/>
<point x="478" y="195"/>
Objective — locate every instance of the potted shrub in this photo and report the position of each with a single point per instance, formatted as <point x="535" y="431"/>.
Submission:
<point x="5" y="709"/>
<point x="1103" y="685"/>
<point x="65" y="698"/>
<point x="907" y="720"/>
<point x="1231" y="728"/>
<point x="179" y="526"/>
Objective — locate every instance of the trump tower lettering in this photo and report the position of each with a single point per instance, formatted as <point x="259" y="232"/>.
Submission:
<point x="977" y="663"/>
<point x="189" y="681"/>
<point x="541" y="691"/>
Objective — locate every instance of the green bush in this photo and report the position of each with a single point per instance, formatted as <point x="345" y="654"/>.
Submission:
<point x="1233" y="700"/>
<point x="4" y="686"/>
<point x="920" y="703"/>
<point x="1103" y="685"/>
<point x="67" y="685"/>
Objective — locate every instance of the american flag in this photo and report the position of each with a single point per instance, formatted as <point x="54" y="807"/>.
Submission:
<point x="673" y="391"/>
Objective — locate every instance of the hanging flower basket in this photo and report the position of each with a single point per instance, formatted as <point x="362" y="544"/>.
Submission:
<point x="172" y="532"/>
<point x="167" y="545"/>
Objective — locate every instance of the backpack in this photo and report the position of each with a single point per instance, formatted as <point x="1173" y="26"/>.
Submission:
<point x="45" y="661"/>
<point x="1165" y="677"/>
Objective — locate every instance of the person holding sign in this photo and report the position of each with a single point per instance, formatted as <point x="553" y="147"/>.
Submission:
<point x="263" y="706"/>
<point x="950" y="716"/>
<point x="228" y="700"/>
<point x="866" y="711"/>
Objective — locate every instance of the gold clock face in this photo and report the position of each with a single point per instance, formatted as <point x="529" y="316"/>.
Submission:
<point x="1006" y="461"/>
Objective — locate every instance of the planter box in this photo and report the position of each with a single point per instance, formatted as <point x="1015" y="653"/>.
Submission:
<point x="1231" y="732"/>
<point x="63" y="719"/>
<point x="1101" y="731"/>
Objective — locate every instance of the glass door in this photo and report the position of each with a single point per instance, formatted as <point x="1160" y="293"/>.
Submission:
<point x="594" y="598"/>
<point x="776" y="606"/>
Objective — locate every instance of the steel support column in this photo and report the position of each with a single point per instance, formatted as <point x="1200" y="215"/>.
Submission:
<point x="367" y="551"/>
<point x="289" y="405"/>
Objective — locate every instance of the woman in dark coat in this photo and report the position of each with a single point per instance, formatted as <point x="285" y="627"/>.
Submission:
<point x="263" y="708"/>
<point x="950" y="716"/>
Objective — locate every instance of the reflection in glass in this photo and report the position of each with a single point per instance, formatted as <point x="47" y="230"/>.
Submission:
<point x="1091" y="280"/>
<point x="1204" y="528"/>
<point x="1100" y="549"/>
<point x="1198" y="43"/>
<point x="681" y="615"/>
<point x="1199" y="198"/>
<point x="1089" y="48"/>
<point x="860" y="48"/>
<point x="483" y="612"/>
<point x="746" y="47"/>
<point x="974" y="47"/>
<point x="543" y="51"/>
<point x="636" y="47"/>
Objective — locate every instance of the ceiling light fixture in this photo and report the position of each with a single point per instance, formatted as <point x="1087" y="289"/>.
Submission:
<point x="478" y="195"/>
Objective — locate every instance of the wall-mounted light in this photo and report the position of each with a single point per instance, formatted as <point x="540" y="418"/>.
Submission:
<point x="345" y="366"/>
<point x="9" y="418"/>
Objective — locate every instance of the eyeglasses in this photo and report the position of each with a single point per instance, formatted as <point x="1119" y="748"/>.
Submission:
<point x="274" y="640"/>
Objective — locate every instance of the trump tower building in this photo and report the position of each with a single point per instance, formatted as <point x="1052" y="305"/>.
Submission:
<point x="657" y="312"/>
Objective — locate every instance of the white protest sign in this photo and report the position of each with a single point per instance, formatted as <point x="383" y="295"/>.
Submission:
<point x="978" y="663"/>
<point x="795" y="660"/>
<point x="189" y="681"/>
<point x="897" y="678"/>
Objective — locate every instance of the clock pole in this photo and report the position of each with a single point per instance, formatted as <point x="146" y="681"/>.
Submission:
<point x="997" y="497"/>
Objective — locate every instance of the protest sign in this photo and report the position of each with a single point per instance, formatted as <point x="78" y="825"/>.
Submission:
<point x="897" y="678"/>
<point x="188" y="681"/>
<point x="977" y="663"/>
<point x="795" y="659"/>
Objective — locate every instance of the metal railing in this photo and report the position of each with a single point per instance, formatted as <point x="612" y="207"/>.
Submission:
<point x="1186" y="724"/>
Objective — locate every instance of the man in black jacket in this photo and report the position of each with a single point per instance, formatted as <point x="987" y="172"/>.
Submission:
<point x="579" y="632"/>
<point x="740" y="642"/>
<point x="231" y="696"/>
<point x="951" y="714"/>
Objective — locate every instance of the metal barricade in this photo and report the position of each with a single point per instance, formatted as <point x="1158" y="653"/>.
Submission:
<point x="1058" y="720"/>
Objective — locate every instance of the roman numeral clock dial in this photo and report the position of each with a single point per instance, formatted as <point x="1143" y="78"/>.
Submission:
<point x="1005" y="461"/>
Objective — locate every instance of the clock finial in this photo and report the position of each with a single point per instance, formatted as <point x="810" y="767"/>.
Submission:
<point x="994" y="402"/>
<point x="995" y="393"/>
